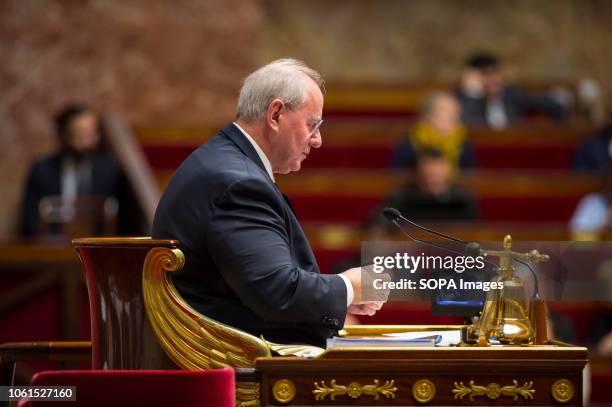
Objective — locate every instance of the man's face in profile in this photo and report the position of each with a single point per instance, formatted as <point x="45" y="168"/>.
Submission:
<point x="299" y="131"/>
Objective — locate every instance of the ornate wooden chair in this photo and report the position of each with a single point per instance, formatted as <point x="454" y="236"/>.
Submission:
<point x="140" y="321"/>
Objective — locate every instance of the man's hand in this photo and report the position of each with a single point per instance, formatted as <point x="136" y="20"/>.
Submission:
<point x="365" y="308"/>
<point x="354" y="276"/>
<point x="372" y="301"/>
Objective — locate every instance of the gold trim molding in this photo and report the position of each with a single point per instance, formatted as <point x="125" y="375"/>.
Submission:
<point x="354" y="390"/>
<point x="283" y="391"/>
<point x="247" y="394"/>
<point x="423" y="390"/>
<point x="562" y="390"/>
<point x="493" y="390"/>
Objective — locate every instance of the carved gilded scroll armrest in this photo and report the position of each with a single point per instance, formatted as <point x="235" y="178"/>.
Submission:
<point x="192" y="340"/>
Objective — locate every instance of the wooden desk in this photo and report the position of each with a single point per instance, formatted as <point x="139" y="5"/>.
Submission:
<point x="536" y="376"/>
<point x="19" y="254"/>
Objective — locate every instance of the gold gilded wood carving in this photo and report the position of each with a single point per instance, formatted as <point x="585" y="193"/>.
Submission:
<point x="247" y="394"/>
<point x="423" y="390"/>
<point x="354" y="390"/>
<point x="192" y="340"/>
<point x="283" y="391"/>
<point x="493" y="390"/>
<point x="562" y="390"/>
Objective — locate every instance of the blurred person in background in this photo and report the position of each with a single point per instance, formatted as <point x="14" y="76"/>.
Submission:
<point x="593" y="214"/>
<point x="439" y="128"/>
<point x="433" y="195"/>
<point x="595" y="153"/>
<point x="486" y="98"/>
<point x="79" y="168"/>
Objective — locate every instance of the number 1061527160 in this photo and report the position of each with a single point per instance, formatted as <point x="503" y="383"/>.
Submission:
<point x="38" y="393"/>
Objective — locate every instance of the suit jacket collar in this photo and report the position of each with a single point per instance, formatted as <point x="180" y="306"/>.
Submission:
<point x="236" y="136"/>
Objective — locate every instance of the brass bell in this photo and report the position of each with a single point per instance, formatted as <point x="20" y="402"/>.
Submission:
<point x="505" y="316"/>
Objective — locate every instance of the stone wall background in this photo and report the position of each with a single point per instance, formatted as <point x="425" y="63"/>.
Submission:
<point x="154" y="60"/>
<point x="428" y="40"/>
<point x="181" y="62"/>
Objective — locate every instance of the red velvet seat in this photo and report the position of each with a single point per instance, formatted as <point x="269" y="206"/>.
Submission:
<point x="140" y="387"/>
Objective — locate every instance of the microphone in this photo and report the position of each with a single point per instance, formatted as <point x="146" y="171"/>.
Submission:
<point x="473" y="249"/>
<point x="395" y="216"/>
<point x="392" y="213"/>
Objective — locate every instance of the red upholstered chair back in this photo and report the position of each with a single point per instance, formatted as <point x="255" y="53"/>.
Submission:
<point x="140" y="388"/>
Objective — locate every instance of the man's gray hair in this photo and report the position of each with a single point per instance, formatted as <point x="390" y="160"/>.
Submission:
<point x="285" y="79"/>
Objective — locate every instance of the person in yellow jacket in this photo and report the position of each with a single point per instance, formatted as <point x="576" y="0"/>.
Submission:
<point x="438" y="128"/>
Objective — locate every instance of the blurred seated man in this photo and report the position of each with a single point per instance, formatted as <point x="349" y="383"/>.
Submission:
<point x="433" y="196"/>
<point x="487" y="100"/>
<point x="595" y="153"/>
<point x="439" y="128"/>
<point x="78" y="169"/>
<point x="593" y="214"/>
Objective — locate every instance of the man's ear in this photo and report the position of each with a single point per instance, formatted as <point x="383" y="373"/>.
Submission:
<point x="273" y="113"/>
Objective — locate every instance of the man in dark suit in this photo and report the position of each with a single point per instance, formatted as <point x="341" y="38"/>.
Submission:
<point x="486" y="99"/>
<point x="248" y="262"/>
<point x="594" y="155"/>
<point x="79" y="168"/>
<point x="433" y="195"/>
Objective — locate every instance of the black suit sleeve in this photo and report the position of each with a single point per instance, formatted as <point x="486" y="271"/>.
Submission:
<point x="248" y="241"/>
